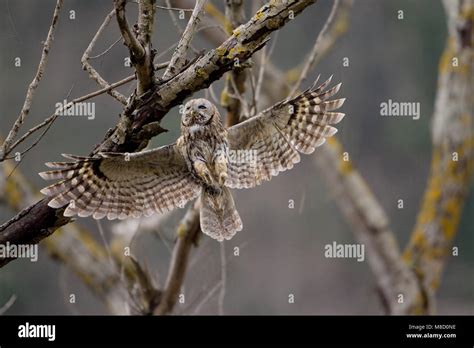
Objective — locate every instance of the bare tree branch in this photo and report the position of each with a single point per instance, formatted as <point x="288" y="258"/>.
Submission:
<point x="6" y="148"/>
<point x="209" y="294"/>
<point x="223" y="281"/>
<point x="336" y="29"/>
<point x="145" y="72"/>
<point x="214" y="19"/>
<point x="49" y="120"/>
<point x="141" y="53"/>
<point x="107" y="50"/>
<point x="235" y="79"/>
<point x="452" y="161"/>
<point x="370" y="225"/>
<point x="178" y="60"/>
<point x="316" y="48"/>
<point x="170" y="8"/>
<point x="92" y="72"/>
<point x="107" y="88"/>
<point x="174" y="19"/>
<point x="129" y="38"/>
<point x="8" y="305"/>
<point x="188" y="234"/>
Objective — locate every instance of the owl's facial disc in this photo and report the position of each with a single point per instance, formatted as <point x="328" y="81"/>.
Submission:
<point x="197" y="112"/>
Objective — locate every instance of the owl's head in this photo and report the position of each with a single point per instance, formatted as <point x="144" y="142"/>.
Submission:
<point x="198" y="112"/>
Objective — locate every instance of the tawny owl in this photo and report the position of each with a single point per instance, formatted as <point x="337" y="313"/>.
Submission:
<point x="206" y="160"/>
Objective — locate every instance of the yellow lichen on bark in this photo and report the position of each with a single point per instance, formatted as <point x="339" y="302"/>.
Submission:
<point x="345" y="166"/>
<point x="452" y="160"/>
<point x="215" y="13"/>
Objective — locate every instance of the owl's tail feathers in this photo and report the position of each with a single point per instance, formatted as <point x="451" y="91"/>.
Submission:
<point x="219" y="217"/>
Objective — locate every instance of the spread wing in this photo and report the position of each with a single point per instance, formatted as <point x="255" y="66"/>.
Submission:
<point x="116" y="185"/>
<point x="270" y="142"/>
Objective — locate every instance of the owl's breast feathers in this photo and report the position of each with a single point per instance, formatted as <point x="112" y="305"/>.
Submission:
<point x="203" y="146"/>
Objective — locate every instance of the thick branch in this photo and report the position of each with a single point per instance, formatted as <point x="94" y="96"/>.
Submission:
<point x="141" y="54"/>
<point x="145" y="72"/>
<point x="452" y="160"/>
<point x="129" y="38"/>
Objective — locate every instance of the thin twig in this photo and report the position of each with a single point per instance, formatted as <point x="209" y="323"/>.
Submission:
<point x="107" y="49"/>
<point x="64" y="286"/>
<point x="211" y="26"/>
<point x="264" y="63"/>
<point x="261" y="72"/>
<point x="37" y="140"/>
<point x="178" y="60"/>
<point x="220" y="302"/>
<point x="174" y="19"/>
<point x="169" y="8"/>
<point x="243" y="104"/>
<point x="6" y="148"/>
<point x="253" y="106"/>
<point x="48" y="121"/>
<point x="90" y="69"/>
<point x="209" y="293"/>
<point x="314" y="52"/>
<point x="206" y="299"/>
<point x="91" y="95"/>
<point x="104" y="241"/>
<point x="213" y="95"/>
<point x="8" y="304"/>
<point x="22" y="155"/>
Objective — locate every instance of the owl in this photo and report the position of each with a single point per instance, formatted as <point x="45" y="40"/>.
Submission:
<point x="207" y="160"/>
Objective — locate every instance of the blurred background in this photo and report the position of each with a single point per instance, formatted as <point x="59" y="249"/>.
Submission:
<point x="281" y="250"/>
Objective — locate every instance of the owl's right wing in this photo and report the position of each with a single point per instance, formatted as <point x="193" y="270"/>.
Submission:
<point x="271" y="142"/>
<point x="117" y="185"/>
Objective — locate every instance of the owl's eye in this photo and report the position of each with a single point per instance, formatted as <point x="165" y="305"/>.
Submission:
<point x="202" y="107"/>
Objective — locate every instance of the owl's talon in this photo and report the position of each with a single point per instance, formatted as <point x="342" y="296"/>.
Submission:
<point x="222" y="178"/>
<point x="207" y="177"/>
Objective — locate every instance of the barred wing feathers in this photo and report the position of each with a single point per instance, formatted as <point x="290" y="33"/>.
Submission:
<point x="116" y="185"/>
<point x="274" y="138"/>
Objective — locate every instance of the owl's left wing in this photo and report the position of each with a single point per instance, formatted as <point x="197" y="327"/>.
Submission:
<point x="117" y="185"/>
<point x="270" y="142"/>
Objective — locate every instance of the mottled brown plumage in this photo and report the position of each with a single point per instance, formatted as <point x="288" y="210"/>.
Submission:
<point x="206" y="160"/>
